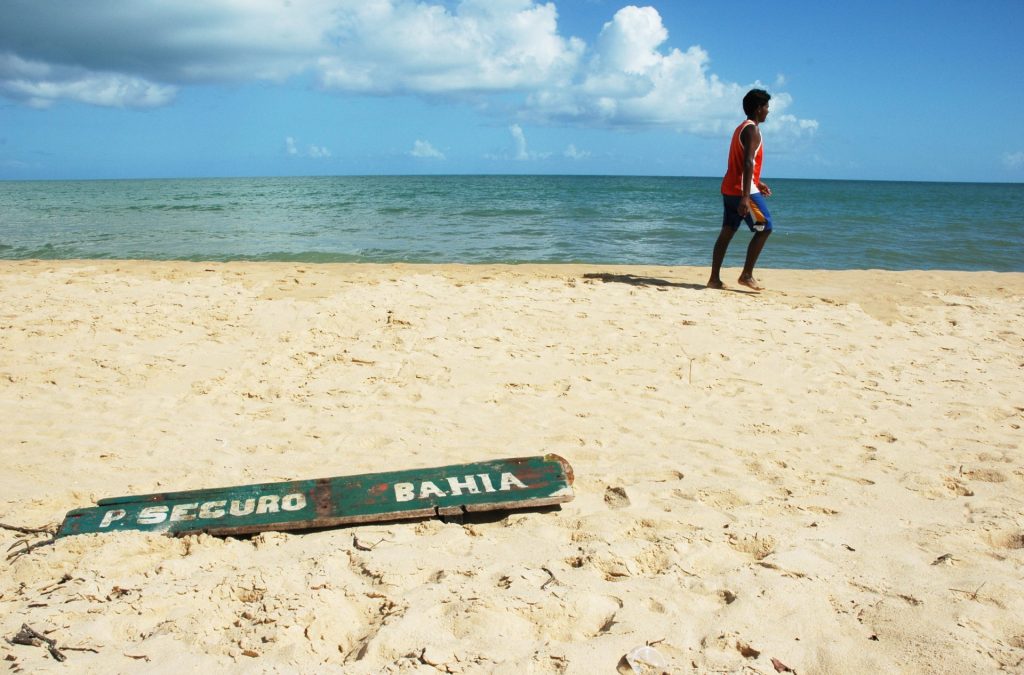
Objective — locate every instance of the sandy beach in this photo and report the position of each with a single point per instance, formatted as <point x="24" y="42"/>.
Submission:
<point x="827" y="477"/>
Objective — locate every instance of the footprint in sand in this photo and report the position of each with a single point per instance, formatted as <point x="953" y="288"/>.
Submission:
<point x="1009" y="539"/>
<point x="760" y="547"/>
<point x="986" y="475"/>
<point x="956" y="487"/>
<point x="616" y="497"/>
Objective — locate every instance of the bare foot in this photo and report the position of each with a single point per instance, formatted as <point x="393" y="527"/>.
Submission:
<point x="750" y="283"/>
<point x="715" y="283"/>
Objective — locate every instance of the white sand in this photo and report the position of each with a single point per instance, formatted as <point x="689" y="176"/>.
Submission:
<point x="829" y="473"/>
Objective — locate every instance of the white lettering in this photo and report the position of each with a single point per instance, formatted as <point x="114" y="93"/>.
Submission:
<point x="427" y="489"/>
<point x="508" y="480"/>
<point x="152" y="515"/>
<point x="212" y="509"/>
<point x="457" y="486"/>
<point x="293" y="502"/>
<point x="404" y="492"/>
<point x="486" y="480"/>
<point x="111" y="516"/>
<point x="181" y="512"/>
<point x="238" y="510"/>
<point x="268" y="504"/>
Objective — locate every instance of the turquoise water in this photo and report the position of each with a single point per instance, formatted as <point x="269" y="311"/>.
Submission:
<point x="511" y="219"/>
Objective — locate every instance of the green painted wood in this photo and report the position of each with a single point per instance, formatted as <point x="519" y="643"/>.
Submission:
<point x="522" y="482"/>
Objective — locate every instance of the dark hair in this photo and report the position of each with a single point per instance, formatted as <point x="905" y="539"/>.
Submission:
<point x="754" y="99"/>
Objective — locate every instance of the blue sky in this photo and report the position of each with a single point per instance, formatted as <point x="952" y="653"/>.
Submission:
<point x="887" y="90"/>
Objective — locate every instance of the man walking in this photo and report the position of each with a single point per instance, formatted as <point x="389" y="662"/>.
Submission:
<point x="743" y="193"/>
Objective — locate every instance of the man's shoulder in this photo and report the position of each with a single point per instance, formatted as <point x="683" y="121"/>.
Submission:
<point x="749" y="131"/>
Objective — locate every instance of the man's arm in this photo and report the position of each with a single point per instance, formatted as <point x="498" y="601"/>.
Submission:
<point x="750" y="139"/>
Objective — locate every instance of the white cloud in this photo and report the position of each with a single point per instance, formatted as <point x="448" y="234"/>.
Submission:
<point x="522" y="153"/>
<point x="572" y="152"/>
<point x="1014" y="160"/>
<point x="291" y="147"/>
<point x="40" y="85"/>
<point x="629" y="82"/>
<point x="399" y="46"/>
<point x="318" y="152"/>
<point x="110" y="54"/>
<point x="101" y="53"/>
<point x="520" y="140"/>
<point x="424" y="150"/>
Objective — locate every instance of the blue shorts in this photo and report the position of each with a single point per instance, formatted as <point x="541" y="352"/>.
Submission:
<point x="757" y="217"/>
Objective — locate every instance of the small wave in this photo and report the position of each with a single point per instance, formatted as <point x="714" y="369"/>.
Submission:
<point x="46" y="251"/>
<point x="199" y="208"/>
<point x="500" y="213"/>
<point x="300" y="257"/>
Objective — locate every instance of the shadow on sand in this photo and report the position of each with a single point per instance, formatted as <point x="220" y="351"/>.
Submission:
<point x="634" y="280"/>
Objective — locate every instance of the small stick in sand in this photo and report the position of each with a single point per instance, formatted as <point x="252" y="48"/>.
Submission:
<point x="28" y="530"/>
<point x="50" y="530"/>
<point x="33" y="638"/>
<point x="974" y="595"/>
<point x="27" y="547"/>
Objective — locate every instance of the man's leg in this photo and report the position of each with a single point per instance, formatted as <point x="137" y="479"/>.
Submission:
<point x="718" y="256"/>
<point x="753" y="251"/>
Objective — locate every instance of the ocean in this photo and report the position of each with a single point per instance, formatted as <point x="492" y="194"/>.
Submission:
<point x="819" y="224"/>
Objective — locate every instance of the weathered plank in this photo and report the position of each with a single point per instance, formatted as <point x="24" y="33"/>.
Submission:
<point x="522" y="482"/>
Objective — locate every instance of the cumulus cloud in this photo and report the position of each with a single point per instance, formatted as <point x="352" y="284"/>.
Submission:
<point x="313" y="151"/>
<point x="520" y="140"/>
<point x="318" y="152"/>
<point x="572" y="152"/>
<point x="1014" y="160"/>
<point x="629" y="81"/>
<point x="108" y="53"/>
<point x="520" y="150"/>
<point x="390" y="46"/>
<point x="424" y="150"/>
<point x="522" y="153"/>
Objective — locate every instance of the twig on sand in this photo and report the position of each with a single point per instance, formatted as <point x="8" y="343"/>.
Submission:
<point x="974" y="595"/>
<point x="27" y="547"/>
<point x="23" y="542"/>
<point x="33" y="638"/>
<point x="362" y="546"/>
<point x="27" y="530"/>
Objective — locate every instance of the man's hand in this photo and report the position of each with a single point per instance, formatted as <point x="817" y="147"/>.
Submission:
<point x="744" y="206"/>
<point x="765" y="190"/>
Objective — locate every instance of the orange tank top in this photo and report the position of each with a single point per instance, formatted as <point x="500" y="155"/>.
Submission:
<point x="732" y="184"/>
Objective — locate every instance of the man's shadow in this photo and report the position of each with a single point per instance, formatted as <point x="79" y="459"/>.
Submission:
<point x="634" y="280"/>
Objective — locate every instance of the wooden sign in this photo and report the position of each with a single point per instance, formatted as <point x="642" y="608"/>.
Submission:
<point x="522" y="482"/>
